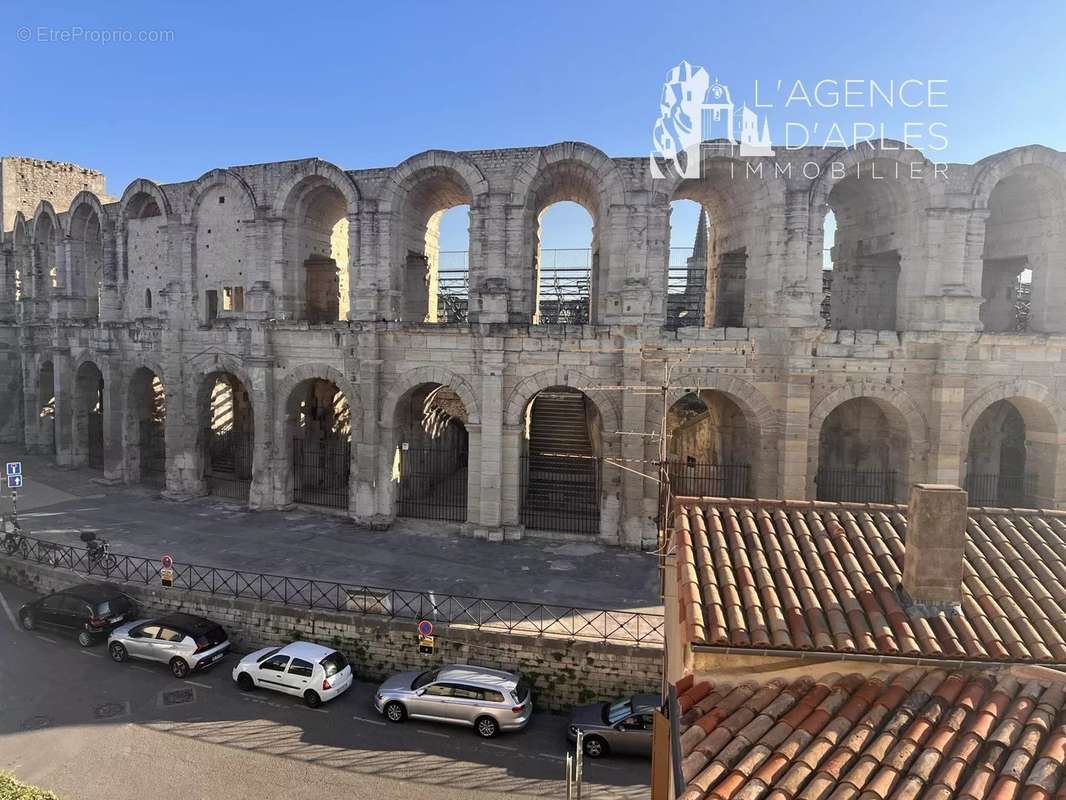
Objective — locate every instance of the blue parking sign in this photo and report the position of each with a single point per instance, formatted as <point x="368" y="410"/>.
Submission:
<point x="14" y="468"/>
<point x="14" y="481"/>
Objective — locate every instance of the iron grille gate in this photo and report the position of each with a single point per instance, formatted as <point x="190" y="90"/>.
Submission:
<point x="153" y="452"/>
<point x="561" y="495"/>
<point x="96" y="440"/>
<point x="433" y="483"/>
<point x="856" y="485"/>
<point x="708" y="480"/>
<point x="321" y="467"/>
<point x="228" y="464"/>
<point x="1008" y="491"/>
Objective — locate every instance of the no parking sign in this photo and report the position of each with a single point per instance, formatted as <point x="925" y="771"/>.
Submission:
<point x="425" y="638"/>
<point x="166" y="574"/>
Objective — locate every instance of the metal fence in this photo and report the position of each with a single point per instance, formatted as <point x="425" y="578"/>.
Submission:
<point x="321" y="468"/>
<point x="686" y="288"/>
<point x="856" y="485"/>
<point x="561" y="496"/>
<point x="509" y="616"/>
<point x="564" y="286"/>
<point x="993" y="489"/>
<point x="433" y="483"/>
<point x="152" y="446"/>
<point x="708" y="480"/>
<point x="453" y="286"/>
<point x="228" y="464"/>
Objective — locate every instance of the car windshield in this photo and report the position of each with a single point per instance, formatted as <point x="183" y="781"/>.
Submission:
<point x="424" y="678"/>
<point x="521" y="691"/>
<point x="617" y="711"/>
<point x="267" y="655"/>
<point x="333" y="663"/>
<point x="116" y="605"/>
<point x="212" y="636"/>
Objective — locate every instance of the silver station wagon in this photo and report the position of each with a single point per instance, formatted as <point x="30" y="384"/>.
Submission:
<point x="487" y="700"/>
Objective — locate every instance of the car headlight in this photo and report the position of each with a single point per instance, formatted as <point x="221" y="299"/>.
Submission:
<point x="573" y="729"/>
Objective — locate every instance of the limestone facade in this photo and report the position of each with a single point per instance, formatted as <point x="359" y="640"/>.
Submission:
<point x="231" y="274"/>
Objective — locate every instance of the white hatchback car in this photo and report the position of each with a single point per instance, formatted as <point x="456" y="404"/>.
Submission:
<point x="304" y="669"/>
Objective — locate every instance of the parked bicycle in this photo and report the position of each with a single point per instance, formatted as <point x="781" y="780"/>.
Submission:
<point x="13" y="540"/>
<point x="99" y="552"/>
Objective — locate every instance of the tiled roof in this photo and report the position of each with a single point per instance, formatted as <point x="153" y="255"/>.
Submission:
<point x="823" y="577"/>
<point x="922" y="734"/>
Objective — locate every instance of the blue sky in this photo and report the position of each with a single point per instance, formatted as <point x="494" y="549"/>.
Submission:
<point x="367" y="85"/>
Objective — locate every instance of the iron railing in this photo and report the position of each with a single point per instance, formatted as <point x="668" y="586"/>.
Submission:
<point x="560" y="495"/>
<point x="433" y="483"/>
<point x="153" y="452"/>
<point x="505" y="616"/>
<point x="994" y="489"/>
<point x="564" y="286"/>
<point x="686" y="288"/>
<point x="453" y="286"/>
<point x="856" y="485"/>
<point x="321" y="468"/>
<point x="228" y="464"/>
<point x="708" y="480"/>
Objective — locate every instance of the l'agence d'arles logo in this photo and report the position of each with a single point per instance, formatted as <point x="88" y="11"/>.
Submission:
<point x="699" y="117"/>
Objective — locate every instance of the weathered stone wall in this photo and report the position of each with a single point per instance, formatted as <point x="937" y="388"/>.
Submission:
<point x="563" y="672"/>
<point x="24" y="182"/>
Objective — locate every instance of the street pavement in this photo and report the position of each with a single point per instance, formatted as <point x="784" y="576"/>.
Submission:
<point x="58" y="504"/>
<point x="73" y="721"/>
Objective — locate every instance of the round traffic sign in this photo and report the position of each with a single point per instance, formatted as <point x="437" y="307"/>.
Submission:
<point x="168" y="562"/>
<point x="425" y="628"/>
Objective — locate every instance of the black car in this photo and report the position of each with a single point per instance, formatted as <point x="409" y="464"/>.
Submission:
<point x="89" y="611"/>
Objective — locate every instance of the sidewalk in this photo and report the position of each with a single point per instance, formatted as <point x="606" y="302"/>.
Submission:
<point x="58" y="504"/>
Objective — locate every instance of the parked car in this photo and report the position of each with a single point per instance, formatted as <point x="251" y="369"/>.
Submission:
<point x="183" y="641"/>
<point x="304" y="669"/>
<point x="623" y="726"/>
<point x="89" y="611"/>
<point x="487" y="700"/>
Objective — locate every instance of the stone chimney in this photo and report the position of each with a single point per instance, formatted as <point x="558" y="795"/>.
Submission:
<point x="932" y="561"/>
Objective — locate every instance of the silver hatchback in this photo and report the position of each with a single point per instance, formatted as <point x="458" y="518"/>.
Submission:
<point x="182" y="641"/>
<point x="487" y="700"/>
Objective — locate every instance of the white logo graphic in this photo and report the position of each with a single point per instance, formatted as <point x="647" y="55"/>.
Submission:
<point x="694" y="109"/>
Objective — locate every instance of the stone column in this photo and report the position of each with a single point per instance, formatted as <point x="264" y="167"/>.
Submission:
<point x="181" y="432"/>
<point x="947" y="454"/>
<point x="490" y="468"/>
<point x="371" y="467"/>
<point x="261" y="375"/>
<point x="637" y="524"/>
<point x="795" y="478"/>
<point x="488" y="277"/>
<point x="511" y="480"/>
<point x="63" y="375"/>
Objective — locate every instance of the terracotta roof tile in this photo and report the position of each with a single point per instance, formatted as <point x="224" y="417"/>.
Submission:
<point x="824" y="576"/>
<point x="920" y="734"/>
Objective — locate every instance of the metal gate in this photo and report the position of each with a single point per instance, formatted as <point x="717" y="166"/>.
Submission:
<point x="321" y="468"/>
<point x="560" y="495"/>
<point x="153" y="452"/>
<point x="433" y="482"/>
<point x="228" y="464"/>
<point x="856" y="485"/>
<point x="95" y="424"/>
<point x="708" y="480"/>
<point x="1009" y="491"/>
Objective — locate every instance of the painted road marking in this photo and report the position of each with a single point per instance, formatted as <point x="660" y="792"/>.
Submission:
<point x="371" y="721"/>
<point x="87" y="653"/>
<point x="201" y="685"/>
<point x="45" y="639"/>
<point x="551" y="756"/>
<point x="142" y="669"/>
<point x="433" y="733"/>
<point x="7" y="610"/>
<point x="500" y="746"/>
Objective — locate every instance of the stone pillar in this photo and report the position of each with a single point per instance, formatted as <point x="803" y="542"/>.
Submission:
<point x="797" y="466"/>
<point x="511" y="480"/>
<point x="261" y="375"/>
<point x="114" y="414"/>
<point x="638" y="526"/>
<point x="489" y="299"/>
<point x="948" y="452"/>
<point x="63" y="375"/>
<point x="933" y="559"/>
<point x="490" y="489"/>
<point x="373" y="464"/>
<point x="181" y="432"/>
<point x="31" y="403"/>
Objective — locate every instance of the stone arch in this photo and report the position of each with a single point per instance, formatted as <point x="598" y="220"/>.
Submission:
<point x="44" y="391"/>
<point x="145" y="428"/>
<point x="211" y="179"/>
<point x="406" y="381"/>
<point x="84" y="198"/>
<point x="133" y="203"/>
<point x="308" y="175"/>
<point x="562" y="376"/>
<point x="18" y="283"/>
<point x="991" y="170"/>
<point x="1044" y="420"/>
<point x="304" y="372"/>
<point x="88" y="408"/>
<point x="86" y="248"/>
<point x="224" y="457"/>
<point x="901" y="411"/>
<point x="608" y="182"/>
<point x="406" y="175"/>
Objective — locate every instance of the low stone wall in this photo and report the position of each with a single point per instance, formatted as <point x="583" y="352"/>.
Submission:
<point x="563" y="672"/>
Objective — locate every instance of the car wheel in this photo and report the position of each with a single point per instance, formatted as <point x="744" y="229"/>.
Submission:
<point x="85" y="639"/>
<point x="595" y="747"/>
<point x="245" y="682"/>
<point x="180" y="667"/>
<point x="486" y="727"/>
<point x="117" y="652"/>
<point x="28" y="621"/>
<point x="312" y="699"/>
<point x="395" y="712"/>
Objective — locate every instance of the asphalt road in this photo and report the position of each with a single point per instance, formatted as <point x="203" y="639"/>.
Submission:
<point x="73" y="721"/>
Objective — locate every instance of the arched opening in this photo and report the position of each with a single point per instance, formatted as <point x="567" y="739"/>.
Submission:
<point x="86" y="259"/>
<point x="322" y="243"/>
<point x="1012" y="455"/>
<point x="863" y="447"/>
<point x="870" y="208"/>
<point x="319" y="426"/>
<point x="452" y="228"/>
<point x="422" y="297"/>
<point x="565" y="255"/>
<point x="686" y="290"/>
<point x="223" y="251"/>
<point x="829" y="233"/>
<point x="46" y="408"/>
<point x="146" y="243"/>
<point x="45" y="266"/>
<point x="561" y="462"/>
<point x="227" y="436"/>
<point x="21" y="261"/>
<point x="709" y="450"/>
<point x="431" y="454"/>
<point x="146" y="455"/>
<point x="88" y="421"/>
<point x="1023" y="238"/>
<point x="147" y="299"/>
